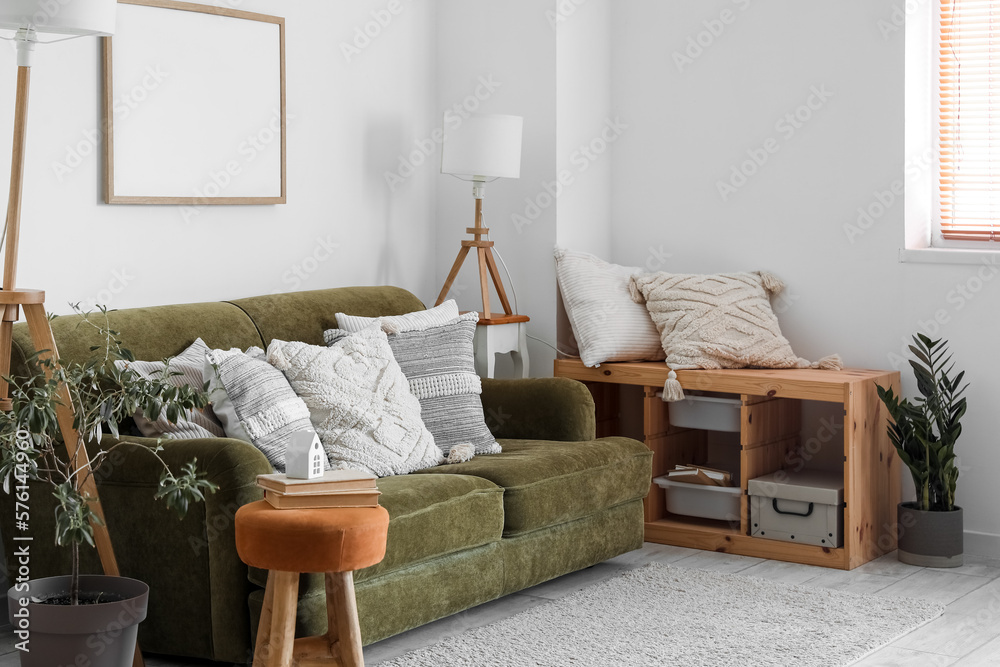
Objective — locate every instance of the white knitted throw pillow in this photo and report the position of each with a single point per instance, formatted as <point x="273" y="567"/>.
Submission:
<point x="718" y="321"/>
<point x="360" y="403"/>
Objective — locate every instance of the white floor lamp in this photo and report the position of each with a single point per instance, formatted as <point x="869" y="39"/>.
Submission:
<point x="67" y="19"/>
<point x="480" y="149"/>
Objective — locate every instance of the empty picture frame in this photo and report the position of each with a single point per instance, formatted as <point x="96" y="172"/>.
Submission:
<point x="194" y="106"/>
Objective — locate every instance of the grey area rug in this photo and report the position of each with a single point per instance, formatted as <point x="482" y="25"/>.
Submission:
<point x="661" y="615"/>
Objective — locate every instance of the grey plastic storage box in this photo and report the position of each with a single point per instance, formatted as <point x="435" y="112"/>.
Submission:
<point x="706" y="413"/>
<point x="805" y="506"/>
<point x="721" y="503"/>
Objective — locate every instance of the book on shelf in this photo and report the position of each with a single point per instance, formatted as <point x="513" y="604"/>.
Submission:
<point x="355" y="498"/>
<point x="332" y="481"/>
<point x="693" y="474"/>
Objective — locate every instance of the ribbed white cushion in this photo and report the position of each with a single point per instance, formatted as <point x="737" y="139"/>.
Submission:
<point x="394" y="324"/>
<point x="607" y="323"/>
<point x="193" y="423"/>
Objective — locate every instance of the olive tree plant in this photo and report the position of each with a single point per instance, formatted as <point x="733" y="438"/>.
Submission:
<point x="101" y="396"/>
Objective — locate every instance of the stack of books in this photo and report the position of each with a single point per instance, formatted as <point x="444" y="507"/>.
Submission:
<point x="693" y="474"/>
<point x="336" y="488"/>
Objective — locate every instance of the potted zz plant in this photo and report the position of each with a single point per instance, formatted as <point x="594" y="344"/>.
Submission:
<point x="924" y="432"/>
<point x="90" y="619"/>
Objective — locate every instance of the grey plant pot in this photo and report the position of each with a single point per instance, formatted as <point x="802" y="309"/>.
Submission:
<point x="929" y="539"/>
<point x="99" y="635"/>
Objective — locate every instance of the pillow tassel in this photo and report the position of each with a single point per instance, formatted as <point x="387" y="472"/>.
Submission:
<point x="462" y="452"/>
<point x="830" y="363"/>
<point x="771" y="283"/>
<point x="672" y="390"/>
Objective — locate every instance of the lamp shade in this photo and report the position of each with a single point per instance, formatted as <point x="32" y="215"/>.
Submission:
<point x="487" y="145"/>
<point x="63" y="17"/>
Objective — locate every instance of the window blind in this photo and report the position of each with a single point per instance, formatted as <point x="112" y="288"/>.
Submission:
<point x="968" y="119"/>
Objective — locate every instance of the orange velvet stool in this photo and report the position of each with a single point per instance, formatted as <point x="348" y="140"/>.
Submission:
<point x="334" y="541"/>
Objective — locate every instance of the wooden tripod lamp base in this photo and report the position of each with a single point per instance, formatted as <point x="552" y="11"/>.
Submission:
<point x="487" y="268"/>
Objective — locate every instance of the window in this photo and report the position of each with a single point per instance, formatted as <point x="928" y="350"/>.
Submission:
<point x="967" y="123"/>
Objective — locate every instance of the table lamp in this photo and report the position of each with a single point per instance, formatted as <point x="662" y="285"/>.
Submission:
<point x="29" y="18"/>
<point x="481" y="148"/>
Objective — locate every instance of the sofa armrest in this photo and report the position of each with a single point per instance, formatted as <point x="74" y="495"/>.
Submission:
<point x="196" y="578"/>
<point x="539" y="409"/>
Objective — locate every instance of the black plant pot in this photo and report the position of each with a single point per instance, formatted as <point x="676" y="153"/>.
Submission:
<point x="99" y="635"/>
<point x="929" y="539"/>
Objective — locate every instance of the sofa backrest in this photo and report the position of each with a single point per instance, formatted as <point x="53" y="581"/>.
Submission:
<point x="151" y="333"/>
<point x="304" y="316"/>
<point x="161" y="331"/>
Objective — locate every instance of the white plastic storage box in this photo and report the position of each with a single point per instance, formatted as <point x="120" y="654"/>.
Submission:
<point x="706" y="413"/>
<point x="805" y="506"/>
<point x="708" y="502"/>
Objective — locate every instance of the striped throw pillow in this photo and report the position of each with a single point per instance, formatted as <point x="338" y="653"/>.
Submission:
<point x="193" y="423"/>
<point x="394" y="324"/>
<point x="254" y="401"/>
<point x="607" y="323"/>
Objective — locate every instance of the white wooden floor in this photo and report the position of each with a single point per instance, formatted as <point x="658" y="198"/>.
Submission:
<point x="967" y="635"/>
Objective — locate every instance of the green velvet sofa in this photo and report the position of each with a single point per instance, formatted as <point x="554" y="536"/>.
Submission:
<point x="555" y="501"/>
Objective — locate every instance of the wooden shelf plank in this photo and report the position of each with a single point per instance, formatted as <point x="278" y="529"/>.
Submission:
<point x="708" y="536"/>
<point x="804" y="383"/>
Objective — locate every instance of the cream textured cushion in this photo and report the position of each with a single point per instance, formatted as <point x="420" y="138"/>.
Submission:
<point x="415" y="321"/>
<point x="360" y="403"/>
<point x="185" y="369"/>
<point x="607" y="324"/>
<point x="718" y="321"/>
<point x="441" y="369"/>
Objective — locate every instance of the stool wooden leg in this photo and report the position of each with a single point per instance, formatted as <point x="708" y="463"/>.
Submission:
<point x="343" y="628"/>
<point x="264" y="625"/>
<point x="276" y="633"/>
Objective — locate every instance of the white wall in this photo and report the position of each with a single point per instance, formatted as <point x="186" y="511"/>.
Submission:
<point x="348" y="123"/>
<point x="513" y="44"/>
<point x="583" y="106"/>
<point x="798" y="214"/>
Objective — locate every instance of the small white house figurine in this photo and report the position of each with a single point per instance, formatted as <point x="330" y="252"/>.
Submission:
<point x="304" y="456"/>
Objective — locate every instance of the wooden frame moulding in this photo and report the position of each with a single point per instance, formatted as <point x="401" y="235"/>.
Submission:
<point x="110" y="196"/>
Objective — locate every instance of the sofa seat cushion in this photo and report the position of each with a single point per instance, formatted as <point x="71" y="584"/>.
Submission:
<point x="547" y="483"/>
<point x="429" y="516"/>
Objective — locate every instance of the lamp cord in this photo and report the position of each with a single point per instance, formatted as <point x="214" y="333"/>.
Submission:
<point x="513" y="292"/>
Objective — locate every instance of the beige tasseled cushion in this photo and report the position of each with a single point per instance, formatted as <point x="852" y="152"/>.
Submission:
<point x="718" y="321"/>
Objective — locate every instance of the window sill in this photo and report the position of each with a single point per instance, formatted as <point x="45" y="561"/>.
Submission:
<point x="948" y="256"/>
